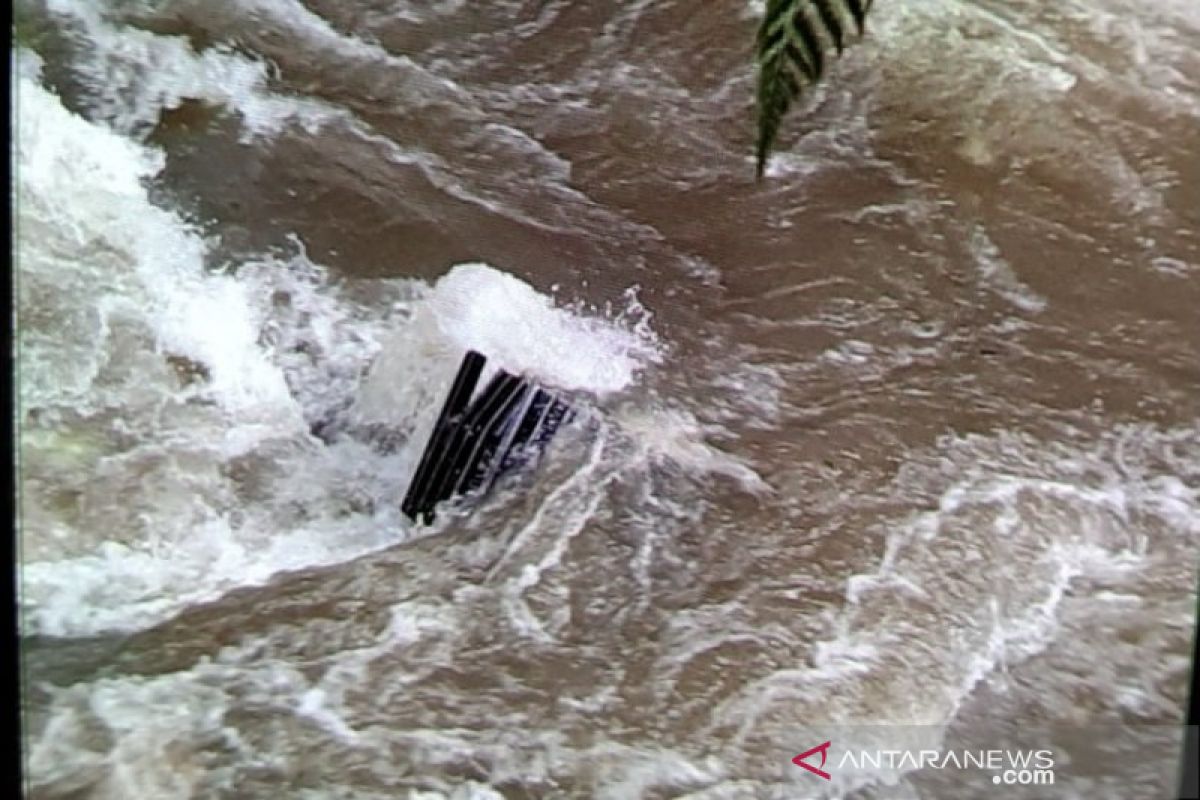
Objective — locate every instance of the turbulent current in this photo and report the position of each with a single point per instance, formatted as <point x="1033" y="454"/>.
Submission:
<point x="898" y="447"/>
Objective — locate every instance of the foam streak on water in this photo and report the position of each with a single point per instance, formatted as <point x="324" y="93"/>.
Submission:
<point x="906" y="434"/>
<point x="149" y="384"/>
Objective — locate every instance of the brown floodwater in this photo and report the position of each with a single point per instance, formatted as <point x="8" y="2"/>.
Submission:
<point x="907" y="456"/>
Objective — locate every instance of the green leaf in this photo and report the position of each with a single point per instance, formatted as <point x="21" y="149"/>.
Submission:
<point x="793" y="41"/>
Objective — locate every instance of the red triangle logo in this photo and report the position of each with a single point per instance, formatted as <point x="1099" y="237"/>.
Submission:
<point x="823" y="750"/>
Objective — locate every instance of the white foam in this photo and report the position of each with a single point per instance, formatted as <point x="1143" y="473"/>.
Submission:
<point x="1000" y="277"/>
<point x="978" y="583"/>
<point x="675" y="435"/>
<point x="477" y="307"/>
<point x="481" y="308"/>
<point x="132" y="507"/>
<point x="108" y="286"/>
<point x="157" y="733"/>
<point x="132" y="74"/>
<point x="85" y="222"/>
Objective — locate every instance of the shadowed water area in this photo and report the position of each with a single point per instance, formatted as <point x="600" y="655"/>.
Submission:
<point x="905" y="434"/>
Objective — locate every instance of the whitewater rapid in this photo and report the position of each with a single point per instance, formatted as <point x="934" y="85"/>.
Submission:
<point x="858" y="449"/>
<point x="150" y="377"/>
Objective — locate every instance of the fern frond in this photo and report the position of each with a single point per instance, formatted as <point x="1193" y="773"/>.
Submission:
<point x="793" y="41"/>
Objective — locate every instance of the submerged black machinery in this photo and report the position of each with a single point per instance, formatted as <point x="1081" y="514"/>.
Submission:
<point x="479" y="437"/>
